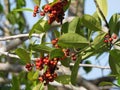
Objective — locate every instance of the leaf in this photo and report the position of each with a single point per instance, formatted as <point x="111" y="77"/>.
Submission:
<point x="30" y="75"/>
<point x="74" y="25"/>
<point x="72" y="40"/>
<point x="63" y="79"/>
<point x="105" y="83"/>
<point x="20" y="3"/>
<point x="64" y="28"/>
<point x="114" y="61"/>
<point x="15" y="83"/>
<point x="37" y="2"/>
<point x="41" y="48"/>
<point x="39" y="86"/>
<point x="36" y="75"/>
<point x="66" y="62"/>
<point x="114" y="23"/>
<point x="118" y="80"/>
<point x="40" y="27"/>
<point x="23" y="54"/>
<point x="87" y="69"/>
<point x="91" y="23"/>
<point x="103" y="6"/>
<point x="57" y="33"/>
<point x="67" y="6"/>
<point x="50" y="87"/>
<point x="1" y="8"/>
<point x="75" y="70"/>
<point x="56" y="53"/>
<point x="22" y="9"/>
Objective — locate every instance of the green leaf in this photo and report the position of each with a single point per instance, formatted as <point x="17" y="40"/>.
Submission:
<point x="57" y="33"/>
<point x="114" y="61"/>
<point x="23" y="54"/>
<point x="1" y="8"/>
<point x="99" y="40"/>
<point x="63" y="79"/>
<point x="67" y="6"/>
<point x="40" y="27"/>
<point x="30" y="75"/>
<point x="87" y="69"/>
<point x="20" y="3"/>
<point x="66" y="62"/>
<point x="64" y="28"/>
<point x="50" y="87"/>
<point x="74" y="25"/>
<point x="114" y="23"/>
<point x="118" y="80"/>
<point x="22" y="9"/>
<point x="39" y="86"/>
<point x="36" y="75"/>
<point x="75" y="70"/>
<point x="41" y="48"/>
<point x="103" y="6"/>
<point x="91" y="23"/>
<point x="37" y="2"/>
<point x="72" y="40"/>
<point x="105" y="83"/>
<point x="56" y="53"/>
<point x="15" y="83"/>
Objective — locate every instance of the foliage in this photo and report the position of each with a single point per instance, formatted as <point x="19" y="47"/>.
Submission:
<point x="72" y="42"/>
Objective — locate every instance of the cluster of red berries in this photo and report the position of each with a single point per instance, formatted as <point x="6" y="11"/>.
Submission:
<point x="29" y="66"/>
<point x="55" y="12"/>
<point x="49" y="74"/>
<point x="35" y="11"/>
<point x="67" y="52"/>
<point x="109" y="39"/>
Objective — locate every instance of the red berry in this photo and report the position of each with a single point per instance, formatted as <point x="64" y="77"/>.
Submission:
<point x="114" y="36"/>
<point x="110" y="39"/>
<point x="106" y="41"/>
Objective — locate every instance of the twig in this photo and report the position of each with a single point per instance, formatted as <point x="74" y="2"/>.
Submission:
<point x="18" y="36"/>
<point x="71" y="64"/>
<point x="101" y="13"/>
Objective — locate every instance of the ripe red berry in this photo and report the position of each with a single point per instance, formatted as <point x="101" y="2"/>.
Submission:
<point x="114" y="36"/>
<point x="110" y="39"/>
<point x="106" y="41"/>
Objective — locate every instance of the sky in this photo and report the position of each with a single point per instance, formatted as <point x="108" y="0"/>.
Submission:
<point x="113" y="7"/>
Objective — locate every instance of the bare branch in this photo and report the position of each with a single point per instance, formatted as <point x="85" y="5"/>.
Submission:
<point x="18" y="36"/>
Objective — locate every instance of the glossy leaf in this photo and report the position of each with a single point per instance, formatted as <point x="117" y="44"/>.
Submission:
<point x="39" y="86"/>
<point x="75" y="70"/>
<point x="67" y="6"/>
<point x="114" y="23"/>
<point x="63" y="79"/>
<point x="72" y="40"/>
<point x="40" y="27"/>
<point x="66" y="62"/>
<point x="50" y="87"/>
<point x="105" y="83"/>
<point x="74" y="25"/>
<point x="87" y="69"/>
<point x="36" y="75"/>
<point x="41" y="48"/>
<point x="37" y="2"/>
<point x="56" y="53"/>
<point x="114" y="61"/>
<point x="15" y="83"/>
<point x="64" y="28"/>
<point x="23" y="54"/>
<point x="103" y="6"/>
<point x="22" y="9"/>
<point x="91" y="23"/>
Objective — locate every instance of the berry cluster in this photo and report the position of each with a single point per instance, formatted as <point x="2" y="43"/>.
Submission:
<point x="55" y="12"/>
<point x="109" y="39"/>
<point x="29" y="66"/>
<point x="41" y="63"/>
<point x="35" y="11"/>
<point x="49" y="74"/>
<point x="66" y="51"/>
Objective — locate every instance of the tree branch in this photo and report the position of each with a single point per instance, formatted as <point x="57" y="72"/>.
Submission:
<point x="17" y="36"/>
<point x="71" y="64"/>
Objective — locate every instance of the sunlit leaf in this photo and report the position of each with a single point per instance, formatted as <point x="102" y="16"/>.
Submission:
<point x="64" y="79"/>
<point x="75" y="71"/>
<point x="91" y="23"/>
<point x="72" y="40"/>
<point x="22" y="9"/>
<point x="23" y="54"/>
<point x="103" y="6"/>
